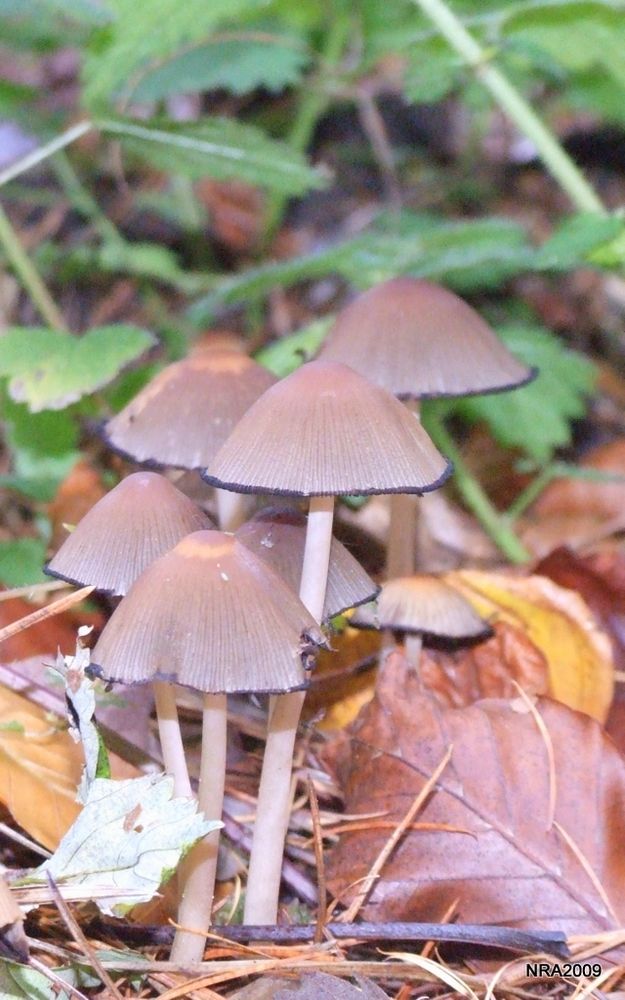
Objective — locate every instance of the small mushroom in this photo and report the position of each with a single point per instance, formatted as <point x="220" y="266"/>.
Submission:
<point x="212" y="616"/>
<point x="423" y="607"/>
<point x="322" y="431"/>
<point x="184" y="415"/>
<point x="277" y="535"/>
<point x="140" y="519"/>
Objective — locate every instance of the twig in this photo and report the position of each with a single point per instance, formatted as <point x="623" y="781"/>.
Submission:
<point x="76" y="932"/>
<point x="28" y="274"/>
<point x="354" y="908"/>
<point x="42" y="614"/>
<point x="43" y="152"/>
<point x="321" y="871"/>
<point x="60" y="984"/>
<point x="19" y="838"/>
<point x="33" y="589"/>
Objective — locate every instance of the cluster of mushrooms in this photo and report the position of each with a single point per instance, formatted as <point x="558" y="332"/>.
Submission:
<point x="243" y="608"/>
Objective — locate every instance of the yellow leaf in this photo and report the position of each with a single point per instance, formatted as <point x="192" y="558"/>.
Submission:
<point x="559" y="623"/>
<point x="340" y="687"/>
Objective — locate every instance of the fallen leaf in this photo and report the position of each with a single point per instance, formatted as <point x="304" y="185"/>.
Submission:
<point x="76" y="495"/>
<point x="341" y="684"/>
<point x="45" y="637"/>
<point x="489" y="669"/>
<point x="130" y="834"/>
<point x="319" y="986"/>
<point x="559" y="623"/>
<point x="509" y="867"/>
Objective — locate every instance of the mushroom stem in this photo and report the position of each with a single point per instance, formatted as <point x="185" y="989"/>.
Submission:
<point x="274" y="795"/>
<point x="231" y="509"/>
<point x="413" y="644"/>
<point x="171" y="737"/>
<point x="402" y="541"/>
<point x="197" y="873"/>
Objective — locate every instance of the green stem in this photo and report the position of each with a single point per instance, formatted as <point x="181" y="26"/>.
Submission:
<point x="312" y="104"/>
<point x="28" y="275"/>
<point x="83" y="201"/>
<point x="473" y="494"/>
<point x="557" y="161"/>
<point x="43" y="152"/>
<point x="531" y="492"/>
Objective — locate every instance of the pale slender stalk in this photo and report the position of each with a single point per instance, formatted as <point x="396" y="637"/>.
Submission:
<point x="171" y="738"/>
<point x="28" y="274"/>
<point x="556" y="159"/>
<point x="198" y="870"/>
<point x="231" y="509"/>
<point x="413" y="644"/>
<point x="43" y="152"/>
<point x="402" y="532"/>
<point x="274" y="796"/>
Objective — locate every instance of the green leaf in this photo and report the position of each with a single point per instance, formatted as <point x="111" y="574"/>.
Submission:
<point x="218" y="147"/>
<point x="285" y="355"/>
<point x="535" y="418"/>
<point x="49" y="370"/>
<point x="43" y="449"/>
<point x="145" y="33"/>
<point x="256" y="59"/>
<point x="129" y="834"/>
<point x="21" y="562"/>
<point x="576" y="238"/>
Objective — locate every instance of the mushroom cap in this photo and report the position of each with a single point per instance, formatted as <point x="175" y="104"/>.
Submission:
<point x="213" y="617"/>
<point x="130" y="527"/>
<point x="326" y="430"/>
<point x="183" y="416"/>
<point x="425" y="604"/>
<point x="277" y="535"/>
<point x="419" y="340"/>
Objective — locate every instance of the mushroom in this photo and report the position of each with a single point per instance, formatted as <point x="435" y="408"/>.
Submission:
<point x="419" y="341"/>
<point x="211" y="616"/>
<point x="183" y="416"/>
<point x="322" y="431"/>
<point x="277" y="535"/>
<point x="424" y="608"/>
<point x="140" y="519"/>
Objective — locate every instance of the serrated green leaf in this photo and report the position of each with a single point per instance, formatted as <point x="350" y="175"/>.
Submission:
<point x="535" y="418"/>
<point x="21" y="561"/>
<point x="221" y="148"/>
<point x="48" y="370"/>
<point x="285" y="355"/>
<point x="575" y="239"/>
<point x="142" y="34"/>
<point x="43" y="449"/>
<point x="129" y="834"/>
<point x="257" y="59"/>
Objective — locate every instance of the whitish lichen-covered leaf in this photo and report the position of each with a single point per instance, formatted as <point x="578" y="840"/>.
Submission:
<point x="130" y="835"/>
<point x="48" y="370"/>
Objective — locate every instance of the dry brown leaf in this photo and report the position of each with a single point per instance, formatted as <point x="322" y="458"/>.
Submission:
<point x="45" y="637"/>
<point x="510" y="868"/>
<point x="339" y="686"/>
<point x="76" y="495"/>
<point x="559" y="623"/>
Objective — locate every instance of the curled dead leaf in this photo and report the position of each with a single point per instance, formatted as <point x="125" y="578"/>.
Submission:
<point x="511" y="866"/>
<point x="559" y="623"/>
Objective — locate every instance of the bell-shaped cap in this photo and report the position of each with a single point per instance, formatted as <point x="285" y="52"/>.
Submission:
<point x="419" y="340"/>
<point x="326" y="430"/>
<point x="183" y="416"/>
<point x="277" y="535"/>
<point x="213" y="617"/>
<point x="424" y="604"/>
<point x="130" y="527"/>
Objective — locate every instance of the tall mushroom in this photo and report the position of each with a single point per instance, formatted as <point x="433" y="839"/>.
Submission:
<point x="139" y="520"/>
<point x="324" y="430"/>
<point x="211" y="616"/>
<point x="419" y="341"/>
<point x="183" y="416"/>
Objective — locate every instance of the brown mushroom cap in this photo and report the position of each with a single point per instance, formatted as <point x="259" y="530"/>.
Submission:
<point x="211" y="616"/>
<point x="277" y="535"/>
<point x="183" y="416"/>
<point x="424" y="604"/>
<point x="130" y="527"/>
<point x="326" y="430"/>
<point x="419" y="340"/>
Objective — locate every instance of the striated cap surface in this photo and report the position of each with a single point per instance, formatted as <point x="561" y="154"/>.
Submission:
<point x="418" y="340"/>
<point x="422" y="603"/>
<point x="183" y="416"/>
<point x="277" y="535"/>
<point x="213" y="617"/>
<point x="327" y="430"/>
<point x="130" y="527"/>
